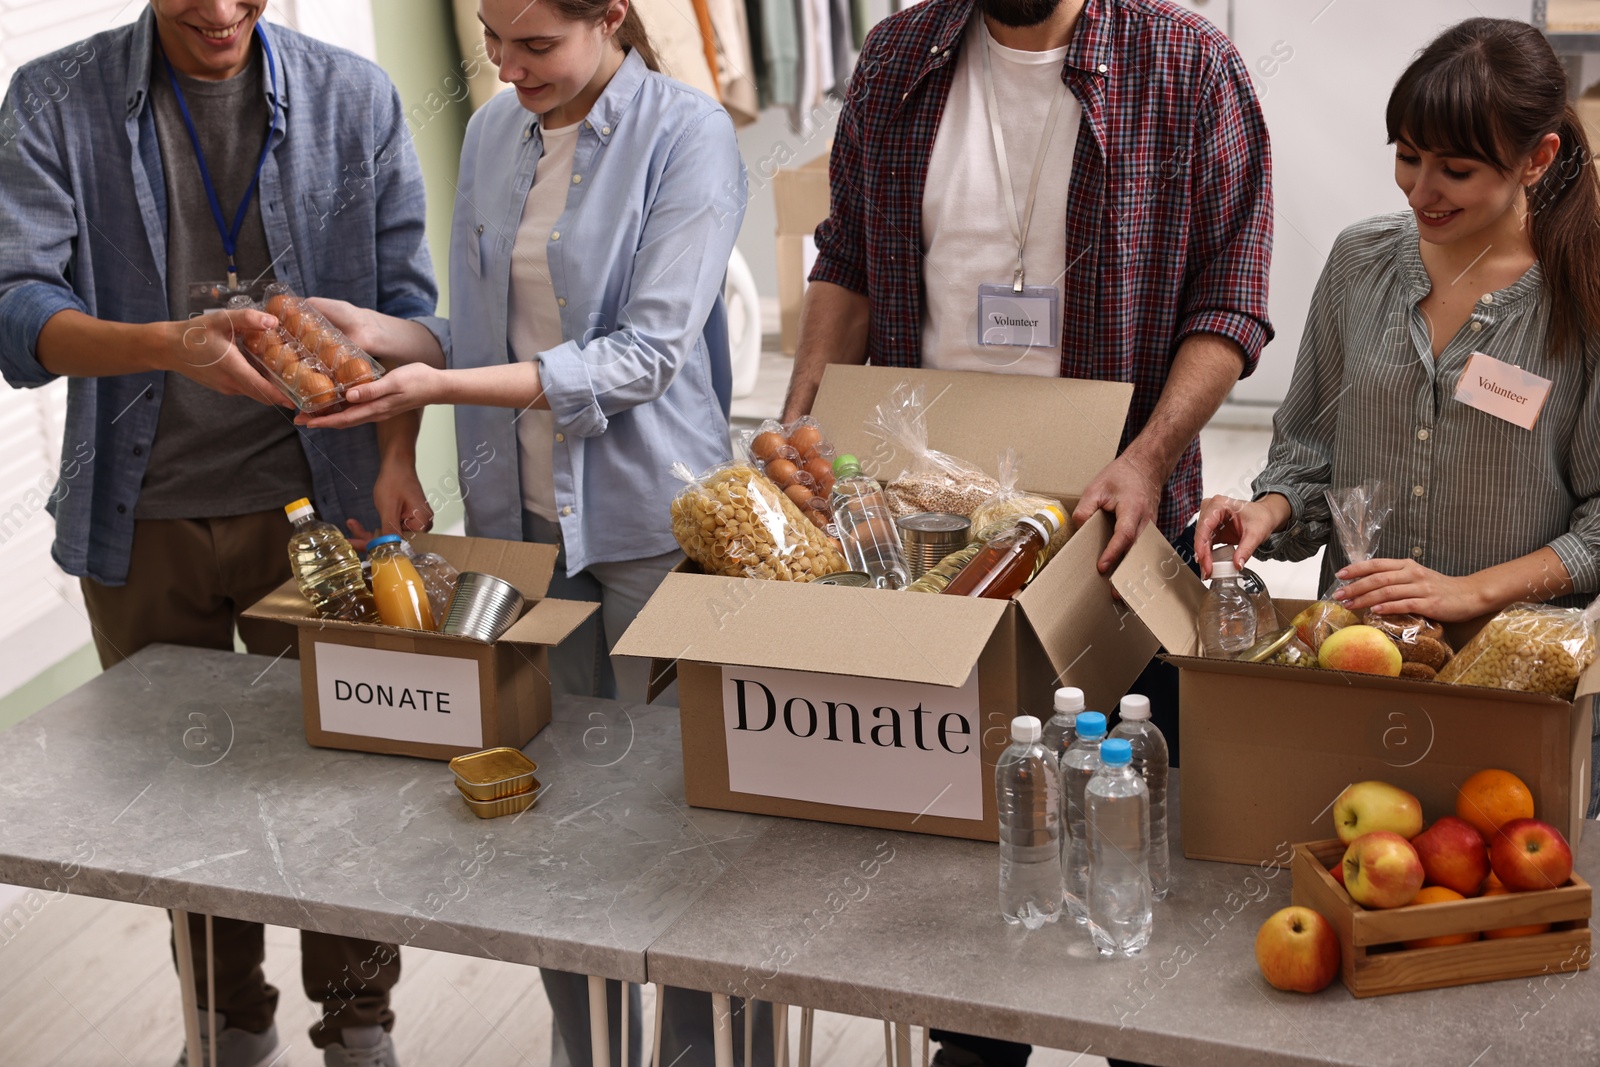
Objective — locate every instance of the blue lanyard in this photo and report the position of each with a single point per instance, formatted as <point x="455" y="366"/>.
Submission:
<point x="230" y="236"/>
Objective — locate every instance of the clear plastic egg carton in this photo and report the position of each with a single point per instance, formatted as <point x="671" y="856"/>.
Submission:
<point x="305" y="355"/>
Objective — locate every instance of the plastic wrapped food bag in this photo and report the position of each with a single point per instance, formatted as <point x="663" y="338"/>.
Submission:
<point x="733" y="521"/>
<point x="929" y="480"/>
<point x="1531" y="648"/>
<point x="1000" y="512"/>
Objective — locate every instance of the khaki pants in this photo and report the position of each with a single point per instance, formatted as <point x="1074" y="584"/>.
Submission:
<point x="187" y="583"/>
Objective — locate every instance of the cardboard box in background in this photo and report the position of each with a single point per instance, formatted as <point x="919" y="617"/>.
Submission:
<point x="801" y="197"/>
<point x="1266" y="749"/>
<point x="411" y="693"/>
<point x="820" y="666"/>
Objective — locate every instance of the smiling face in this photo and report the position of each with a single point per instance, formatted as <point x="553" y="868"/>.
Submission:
<point x="1457" y="197"/>
<point x="207" y="39"/>
<point x="551" y="60"/>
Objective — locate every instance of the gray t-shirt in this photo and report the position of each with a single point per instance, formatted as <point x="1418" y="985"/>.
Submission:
<point x="215" y="455"/>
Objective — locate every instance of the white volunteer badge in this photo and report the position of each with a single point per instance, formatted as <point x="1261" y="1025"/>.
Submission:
<point x="1500" y="389"/>
<point x="1030" y="318"/>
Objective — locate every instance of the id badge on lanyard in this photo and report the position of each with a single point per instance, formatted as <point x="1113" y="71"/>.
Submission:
<point x="226" y="293"/>
<point x="1015" y="313"/>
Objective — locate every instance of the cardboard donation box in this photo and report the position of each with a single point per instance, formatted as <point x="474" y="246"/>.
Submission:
<point x="1267" y="748"/>
<point x="882" y="708"/>
<point x="800" y="195"/>
<point x="411" y="693"/>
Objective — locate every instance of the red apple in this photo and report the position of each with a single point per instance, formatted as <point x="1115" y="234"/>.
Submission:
<point x="1382" y="870"/>
<point x="1337" y="870"/>
<point x="1530" y="854"/>
<point x="1453" y="855"/>
<point x="1368" y="806"/>
<point x="1297" y="950"/>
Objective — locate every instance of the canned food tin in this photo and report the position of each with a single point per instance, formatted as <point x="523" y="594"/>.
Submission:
<point x="493" y="809"/>
<point x="853" y="579"/>
<point x="483" y="607"/>
<point x="493" y="773"/>
<point x="1283" y="648"/>
<point x="929" y="536"/>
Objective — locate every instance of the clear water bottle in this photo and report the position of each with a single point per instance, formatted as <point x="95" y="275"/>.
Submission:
<point x="439" y="578"/>
<point x="1078" y="765"/>
<point x="1150" y="761"/>
<point x="866" y="526"/>
<point x="327" y="568"/>
<point x="1119" y="846"/>
<point x="1060" y="728"/>
<point x="1227" y="614"/>
<point x="1028" y="795"/>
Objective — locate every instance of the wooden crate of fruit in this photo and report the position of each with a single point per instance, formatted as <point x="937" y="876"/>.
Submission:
<point x="1374" y="961"/>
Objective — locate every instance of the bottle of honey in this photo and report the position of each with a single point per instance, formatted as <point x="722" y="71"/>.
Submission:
<point x="1005" y="564"/>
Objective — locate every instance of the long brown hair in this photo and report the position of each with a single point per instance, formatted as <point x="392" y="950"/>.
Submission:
<point x="630" y="35"/>
<point x="1490" y="90"/>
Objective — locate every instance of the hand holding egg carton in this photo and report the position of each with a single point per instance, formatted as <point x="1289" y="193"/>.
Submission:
<point x="305" y="355"/>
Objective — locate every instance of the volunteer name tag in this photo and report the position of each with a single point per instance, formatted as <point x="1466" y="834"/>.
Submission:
<point x="1029" y="319"/>
<point x="1502" y="390"/>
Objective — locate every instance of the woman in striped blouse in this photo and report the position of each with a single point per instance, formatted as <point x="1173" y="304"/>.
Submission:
<point x="1428" y="338"/>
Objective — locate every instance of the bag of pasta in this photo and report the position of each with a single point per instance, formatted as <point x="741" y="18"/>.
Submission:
<point x="734" y="522"/>
<point x="929" y="480"/>
<point x="1531" y="648"/>
<point x="1000" y="512"/>
<point x="1358" y="512"/>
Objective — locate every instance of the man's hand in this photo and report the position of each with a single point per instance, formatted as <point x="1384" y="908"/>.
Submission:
<point x="205" y="349"/>
<point x="402" y="504"/>
<point x="1397" y="586"/>
<point x="1241" y="523"/>
<point x="405" y="388"/>
<point x="1132" y="492"/>
<point x="356" y="323"/>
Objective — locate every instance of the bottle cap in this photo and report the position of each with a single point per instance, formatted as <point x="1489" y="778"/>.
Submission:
<point x="1090" y="725"/>
<point x="846" y="466"/>
<point x="1053" y="518"/>
<point x="1223" y="568"/>
<point x="1069" y="699"/>
<point x="1116" y="752"/>
<point x="1026" y="729"/>
<point x="386" y="539"/>
<point x="299" y="509"/>
<point x="1136" y="707"/>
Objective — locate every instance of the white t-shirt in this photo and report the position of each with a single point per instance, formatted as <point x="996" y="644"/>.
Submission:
<point x="533" y="324"/>
<point x="966" y="237"/>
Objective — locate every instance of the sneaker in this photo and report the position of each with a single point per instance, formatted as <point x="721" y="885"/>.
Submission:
<point x="238" y="1048"/>
<point x="361" y="1046"/>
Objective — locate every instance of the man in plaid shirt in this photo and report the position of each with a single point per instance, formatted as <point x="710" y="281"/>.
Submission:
<point x="1136" y="229"/>
<point x="1153" y="219"/>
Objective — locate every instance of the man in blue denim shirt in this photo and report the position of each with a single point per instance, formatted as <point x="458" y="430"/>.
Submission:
<point x="132" y="165"/>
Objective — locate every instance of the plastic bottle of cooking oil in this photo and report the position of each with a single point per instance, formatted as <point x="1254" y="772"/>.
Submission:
<point x="327" y="567"/>
<point x="397" y="587"/>
<point x="1007" y="562"/>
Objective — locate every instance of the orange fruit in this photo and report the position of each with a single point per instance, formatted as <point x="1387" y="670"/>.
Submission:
<point x="1493" y="888"/>
<point x="1438" y="894"/>
<point x="1491" y="798"/>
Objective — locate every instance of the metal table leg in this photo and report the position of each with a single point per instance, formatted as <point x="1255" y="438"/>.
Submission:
<point x="902" y="1045"/>
<point x="807" y="1017"/>
<point x="191" y="1006"/>
<point x="599" y="1023"/>
<point x="625" y="1050"/>
<point x="780" y="1035"/>
<point x="723" y="1024"/>
<point x="655" y="1048"/>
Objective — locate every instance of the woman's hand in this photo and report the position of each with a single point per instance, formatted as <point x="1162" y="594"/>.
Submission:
<point x="1241" y="523"/>
<point x="402" y="504"/>
<point x="385" y="337"/>
<point x="405" y="388"/>
<point x="1397" y="586"/>
<point x="362" y="326"/>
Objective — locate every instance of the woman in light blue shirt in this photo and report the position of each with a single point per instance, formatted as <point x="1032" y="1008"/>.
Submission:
<point x="595" y="214"/>
<point x="594" y="217"/>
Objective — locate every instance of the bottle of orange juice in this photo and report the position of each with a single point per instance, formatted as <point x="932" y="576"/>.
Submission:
<point x="397" y="587"/>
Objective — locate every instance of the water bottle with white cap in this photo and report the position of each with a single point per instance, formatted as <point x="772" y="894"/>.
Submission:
<point x="1061" y="728"/>
<point x="1078" y="765"/>
<point x="1150" y="760"/>
<point x="1028" y="795"/>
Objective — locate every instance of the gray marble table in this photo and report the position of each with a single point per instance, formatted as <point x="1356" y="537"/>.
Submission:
<point x="182" y="779"/>
<point x="907" y="928"/>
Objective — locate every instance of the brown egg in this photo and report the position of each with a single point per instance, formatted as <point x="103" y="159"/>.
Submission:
<point x="800" y="494"/>
<point x="782" y="472"/>
<point x="805" y="438"/>
<point x="766" y="445"/>
<point x="825" y="486"/>
<point x="354" y="371"/>
<point x="312" y="335"/>
<point x="278" y="305"/>
<point x="291" y="319"/>
<point x="819" y="518"/>
<point x="333" y="352"/>
<point x="819" y="468"/>
<point x="311" y="384"/>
